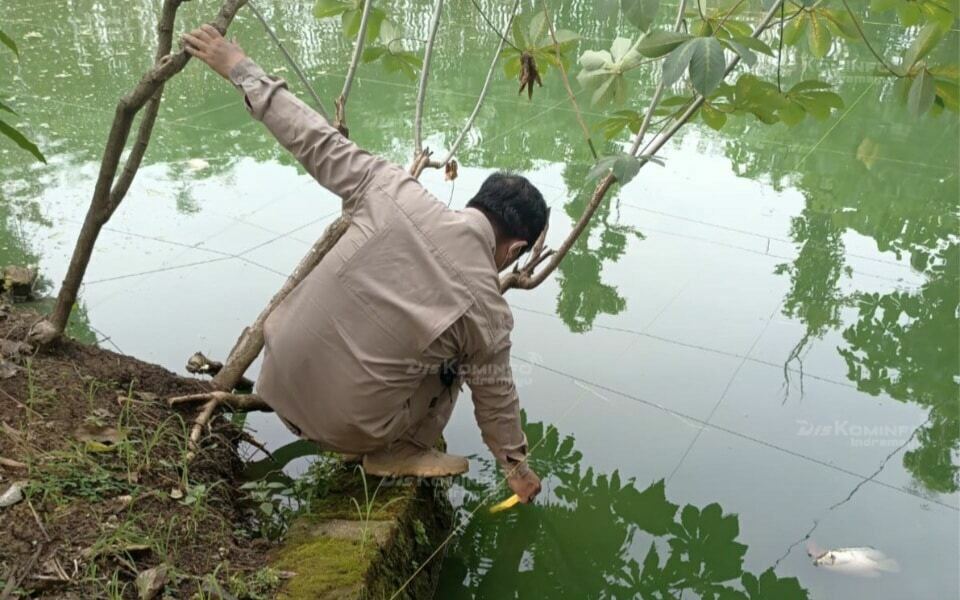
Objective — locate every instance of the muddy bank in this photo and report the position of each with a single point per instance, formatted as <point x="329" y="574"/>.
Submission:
<point x="102" y="501"/>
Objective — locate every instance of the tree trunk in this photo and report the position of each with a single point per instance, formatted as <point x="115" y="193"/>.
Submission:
<point x="110" y="190"/>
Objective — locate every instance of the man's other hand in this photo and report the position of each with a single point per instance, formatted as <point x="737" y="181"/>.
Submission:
<point x="525" y="484"/>
<point x="208" y="45"/>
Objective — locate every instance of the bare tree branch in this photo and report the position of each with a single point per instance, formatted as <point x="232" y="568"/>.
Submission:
<point x="566" y="81"/>
<point x="483" y="90"/>
<point x="424" y="76"/>
<point x="341" y="122"/>
<point x="290" y="61"/>
<point x="658" y="92"/>
<point x="250" y="343"/>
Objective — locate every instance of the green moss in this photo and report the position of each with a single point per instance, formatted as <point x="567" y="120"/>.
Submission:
<point x="325" y="567"/>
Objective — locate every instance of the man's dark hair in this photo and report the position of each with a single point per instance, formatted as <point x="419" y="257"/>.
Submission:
<point x="514" y="204"/>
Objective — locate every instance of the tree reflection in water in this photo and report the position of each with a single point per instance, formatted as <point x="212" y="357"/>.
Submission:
<point x="594" y="535"/>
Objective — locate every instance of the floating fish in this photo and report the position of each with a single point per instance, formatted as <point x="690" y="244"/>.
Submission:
<point x="508" y="503"/>
<point x="861" y="562"/>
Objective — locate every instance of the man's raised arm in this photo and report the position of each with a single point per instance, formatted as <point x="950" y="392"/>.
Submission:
<point x="334" y="161"/>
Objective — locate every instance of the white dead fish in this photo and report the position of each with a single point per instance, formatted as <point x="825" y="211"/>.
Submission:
<point x="860" y="562"/>
<point x="197" y="164"/>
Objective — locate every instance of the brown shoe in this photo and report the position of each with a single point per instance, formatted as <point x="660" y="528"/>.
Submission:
<point x="402" y="459"/>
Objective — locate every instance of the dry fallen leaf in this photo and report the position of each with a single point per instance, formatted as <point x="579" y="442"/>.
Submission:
<point x="529" y="74"/>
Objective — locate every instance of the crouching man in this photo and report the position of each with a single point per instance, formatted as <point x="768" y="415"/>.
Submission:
<point x="366" y="356"/>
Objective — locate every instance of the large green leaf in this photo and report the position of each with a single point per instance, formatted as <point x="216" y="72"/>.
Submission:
<point x="754" y="44"/>
<point x="794" y="29"/>
<point x="927" y="39"/>
<point x="707" y="65"/>
<point x="714" y="118"/>
<point x="6" y="108"/>
<point x="677" y="62"/>
<point x="658" y="43"/>
<point x="624" y="166"/>
<point x="351" y="23"/>
<point x="7" y="41"/>
<point x="922" y="93"/>
<point x="21" y="140"/>
<point x="640" y="13"/>
<point x="818" y="36"/>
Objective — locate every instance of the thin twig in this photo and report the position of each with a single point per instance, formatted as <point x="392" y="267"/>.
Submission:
<point x="357" y="50"/>
<point x="566" y="82"/>
<point x="863" y="35"/>
<point x="483" y="90"/>
<point x="503" y="36"/>
<point x="293" y="64"/>
<point x="658" y="92"/>
<point x="424" y="76"/>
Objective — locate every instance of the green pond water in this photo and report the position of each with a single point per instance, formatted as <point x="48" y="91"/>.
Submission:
<point x="756" y="344"/>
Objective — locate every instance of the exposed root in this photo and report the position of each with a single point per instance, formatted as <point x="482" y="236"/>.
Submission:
<point x="212" y="401"/>
<point x="240" y="402"/>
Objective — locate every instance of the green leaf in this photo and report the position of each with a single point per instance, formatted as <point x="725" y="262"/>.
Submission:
<point x="818" y="37"/>
<point x="808" y="85"/>
<point x="794" y="29"/>
<point x="538" y="27"/>
<point x="746" y="55"/>
<point x="677" y="62"/>
<point x="623" y="166"/>
<point x="659" y="43"/>
<point x="922" y="93"/>
<point x="927" y="39"/>
<point x="612" y="126"/>
<point x="948" y="92"/>
<point x="640" y="13"/>
<point x="372" y="53"/>
<point x="754" y="44"/>
<point x="707" y="64"/>
<point x="7" y="41"/>
<point x="842" y="23"/>
<point x="330" y="8"/>
<point x="791" y="114"/>
<point x="7" y="108"/>
<point x="351" y="23"/>
<point x="20" y="140"/>
<point x="714" y="118"/>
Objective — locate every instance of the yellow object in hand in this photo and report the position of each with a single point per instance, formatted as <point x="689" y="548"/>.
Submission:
<point x="508" y="503"/>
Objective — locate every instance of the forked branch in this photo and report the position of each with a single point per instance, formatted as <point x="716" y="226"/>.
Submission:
<point x="526" y="277"/>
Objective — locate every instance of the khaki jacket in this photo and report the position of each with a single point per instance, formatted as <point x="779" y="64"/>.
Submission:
<point x="410" y="284"/>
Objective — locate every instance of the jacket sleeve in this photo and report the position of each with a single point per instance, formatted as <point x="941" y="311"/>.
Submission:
<point x="497" y="407"/>
<point x="334" y="161"/>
